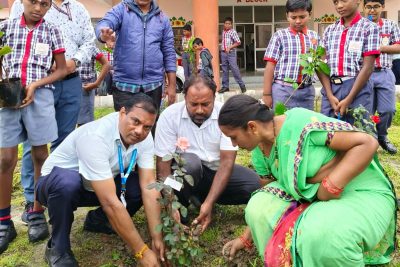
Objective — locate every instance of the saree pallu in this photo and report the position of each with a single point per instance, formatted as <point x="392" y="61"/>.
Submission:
<point x="354" y="230"/>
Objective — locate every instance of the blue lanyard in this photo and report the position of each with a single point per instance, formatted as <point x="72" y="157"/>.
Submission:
<point x="124" y="176"/>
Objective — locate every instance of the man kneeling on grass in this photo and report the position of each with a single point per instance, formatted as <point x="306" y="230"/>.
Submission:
<point x="86" y="170"/>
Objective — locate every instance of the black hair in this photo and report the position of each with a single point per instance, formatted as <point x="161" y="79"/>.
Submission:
<point x="228" y="19"/>
<point x="187" y="27"/>
<point x="195" y="79"/>
<point x="293" y="5"/>
<point x="140" y="100"/>
<point x="198" y="41"/>
<point x="240" y="109"/>
<point x="382" y="2"/>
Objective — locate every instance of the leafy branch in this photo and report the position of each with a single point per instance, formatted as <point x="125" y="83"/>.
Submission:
<point x="182" y="241"/>
<point x="311" y="63"/>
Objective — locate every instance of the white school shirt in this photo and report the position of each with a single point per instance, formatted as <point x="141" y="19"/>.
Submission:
<point x="205" y="141"/>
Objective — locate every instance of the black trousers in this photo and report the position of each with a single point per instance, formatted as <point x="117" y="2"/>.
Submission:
<point x="242" y="183"/>
<point x="62" y="192"/>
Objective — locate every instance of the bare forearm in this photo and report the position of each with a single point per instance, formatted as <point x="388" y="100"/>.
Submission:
<point x="163" y="168"/>
<point x="152" y="210"/>
<point x="234" y="46"/>
<point x="104" y="70"/>
<point x="171" y="79"/>
<point x="219" y="183"/>
<point x="268" y="78"/>
<point x="58" y="74"/>
<point x="391" y="49"/>
<point x="326" y="83"/>
<point x="354" y="161"/>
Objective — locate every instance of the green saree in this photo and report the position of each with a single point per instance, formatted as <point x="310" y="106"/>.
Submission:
<point x="354" y="230"/>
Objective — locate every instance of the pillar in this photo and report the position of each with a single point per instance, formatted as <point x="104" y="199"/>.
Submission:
<point x="205" y="22"/>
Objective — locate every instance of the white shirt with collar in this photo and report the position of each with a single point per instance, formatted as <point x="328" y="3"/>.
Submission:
<point x="92" y="150"/>
<point x="205" y="141"/>
<point x="74" y="21"/>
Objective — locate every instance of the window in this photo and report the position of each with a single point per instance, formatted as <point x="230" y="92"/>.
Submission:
<point x="225" y="11"/>
<point x="263" y="14"/>
<point x="243" y="14"/>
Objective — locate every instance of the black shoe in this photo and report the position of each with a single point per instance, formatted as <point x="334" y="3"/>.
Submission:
<point x="28" y="207"/>
<point x="96" y="221"/>
<point x="55" y="259"/>
<point x="37" y="227"/>
<point x="223" y="90"/>
<point x="388" y="146"/>
<point x="243" y="89"/>
<point x="7" y="234"/>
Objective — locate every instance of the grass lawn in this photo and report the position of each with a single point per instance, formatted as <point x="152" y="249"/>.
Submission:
<point x="104" y="250"/>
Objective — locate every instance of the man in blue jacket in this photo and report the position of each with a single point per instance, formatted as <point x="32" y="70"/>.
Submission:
<point x="144" y="50"/>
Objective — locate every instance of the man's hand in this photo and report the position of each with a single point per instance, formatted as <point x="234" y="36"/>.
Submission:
<point x="204" y="218"/>
<point x="107" y="35"/>
<point x="227" y="50"/>
<point x="342" y="106"/>
<point x="267" y="100"/>
<point x="170" y="92"/>
<point x="158" y="247"/>
<point x="232" y="247"/>
<point x="71" y="67"/>
<point x="149" y="259"/>
<point x="30" y="94"/>
<point x="89" y="86"/>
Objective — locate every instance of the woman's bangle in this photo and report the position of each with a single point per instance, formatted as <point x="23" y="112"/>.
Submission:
<point x="246" y="243"/>
<point x="330" y="187"/>
<point x="139" y="255"/>
<point x="265" y="94"/>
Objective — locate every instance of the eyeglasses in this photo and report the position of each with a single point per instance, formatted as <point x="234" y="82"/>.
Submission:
<point x="375" y="7"/>
<point x="44" y="5"/>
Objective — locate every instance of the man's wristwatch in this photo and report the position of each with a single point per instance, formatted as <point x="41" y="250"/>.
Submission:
<point x="77" y="62"/>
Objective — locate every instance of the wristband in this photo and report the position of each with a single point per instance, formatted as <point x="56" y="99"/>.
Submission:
<point x="265" y="94"/>
<point x="139" y="255"/>
<point x="330" y="187"/>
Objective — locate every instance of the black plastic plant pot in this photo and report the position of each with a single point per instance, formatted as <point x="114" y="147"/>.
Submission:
<point x="11" y="93"/>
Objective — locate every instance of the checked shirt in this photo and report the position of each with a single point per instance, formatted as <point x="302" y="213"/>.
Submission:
<point x="389" y="35"/>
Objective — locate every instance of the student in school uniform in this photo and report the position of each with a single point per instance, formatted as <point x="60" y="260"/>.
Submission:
<point x="282" y="57"/>
<point x="90" y="81"/>
<point x="352" y="45"/>
<point x="230" y="41"/>
<point x="383" y="78"/>
<point x="35" y="119"/>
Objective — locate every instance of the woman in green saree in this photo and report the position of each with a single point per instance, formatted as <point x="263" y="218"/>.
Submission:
<point x="331" y="203"/>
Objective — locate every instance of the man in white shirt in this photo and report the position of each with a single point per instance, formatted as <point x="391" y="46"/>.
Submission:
<point x="210" y="158"/>
<point x="85" y="171"/>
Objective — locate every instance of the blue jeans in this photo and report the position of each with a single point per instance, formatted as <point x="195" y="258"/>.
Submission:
<point x="67" y="101"/>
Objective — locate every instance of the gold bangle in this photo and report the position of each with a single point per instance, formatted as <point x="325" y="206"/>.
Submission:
<point x="139" y="255"/>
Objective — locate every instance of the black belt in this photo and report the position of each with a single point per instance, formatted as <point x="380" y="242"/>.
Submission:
<point x="378" y="69"/>
<point x="71" y="75"/>
<point x="339" y="80"/>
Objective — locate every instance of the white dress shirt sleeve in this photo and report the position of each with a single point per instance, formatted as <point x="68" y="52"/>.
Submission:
<point x="146" y="153"/>
<point x="226" y="143"/>
<point x="166" y="134"/>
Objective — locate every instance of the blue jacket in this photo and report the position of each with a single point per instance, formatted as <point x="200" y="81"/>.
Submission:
<point x="144" y="47"/>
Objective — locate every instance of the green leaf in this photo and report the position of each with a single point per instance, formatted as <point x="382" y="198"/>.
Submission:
<point x="320" y="51"/>
<point x="280" y="108"/>
<point x="288" y="80"/>
<point x="159" y="228"/>
<point x="167" y="158"/>
<point x="303" y="63"/>
<point x="5" y="50"/>
<point x="176" y="205"/>
<point x="1" y="34"/>
<point x="184" y="211"/>
<point x="324" y="67"/>
<point x="182" y="260"/>
<point x="295" y="87"/>
<point x="151" y="186"/>
<point x="189" y="179"/>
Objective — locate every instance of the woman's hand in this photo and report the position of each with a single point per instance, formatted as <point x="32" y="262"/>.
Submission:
<point x="232" y="247"/>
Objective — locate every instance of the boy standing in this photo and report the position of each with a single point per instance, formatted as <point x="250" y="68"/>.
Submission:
<point x="282" y="57"/>
<point x="382" y="78"/>
<point x="352" y="45"/>
<point x="230" y="40"/>
<point x="187" y="43"/>
<point x="35" y="119"/>
<point x="90" y="82"/>
<point x="204" y="64"/>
